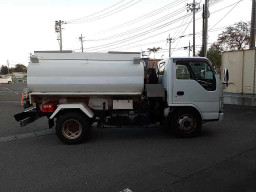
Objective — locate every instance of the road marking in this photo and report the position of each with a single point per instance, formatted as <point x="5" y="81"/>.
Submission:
<point x="126" y="190"/>
<point x="26" y="135"/>
<point x="7" y="90"/>
<point x="12" y="91"/>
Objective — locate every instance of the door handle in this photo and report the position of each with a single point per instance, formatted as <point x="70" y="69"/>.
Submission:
<point x="180" y="93"/>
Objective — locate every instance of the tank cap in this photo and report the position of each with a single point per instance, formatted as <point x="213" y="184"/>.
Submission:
<point x="34" y="59"/>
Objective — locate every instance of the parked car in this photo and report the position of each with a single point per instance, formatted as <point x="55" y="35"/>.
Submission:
<point x="5" y="79"/>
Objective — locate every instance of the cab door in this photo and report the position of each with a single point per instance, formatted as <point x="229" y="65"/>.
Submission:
<point x="194" y="84"/>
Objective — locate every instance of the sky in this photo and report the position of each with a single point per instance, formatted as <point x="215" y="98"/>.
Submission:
<point x="113" y="25"/>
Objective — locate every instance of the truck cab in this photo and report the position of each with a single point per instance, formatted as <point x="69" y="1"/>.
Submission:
<point x="193" y="82"/>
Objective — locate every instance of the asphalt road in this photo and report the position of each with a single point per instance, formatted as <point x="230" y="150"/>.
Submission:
<point x="8" y="125"/>
<point x="11" y="92"/>
<point x="223" y="158"/>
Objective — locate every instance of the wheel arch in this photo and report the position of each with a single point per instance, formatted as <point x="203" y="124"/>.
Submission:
<point x="175" y="109"/>
<point x="65" y="108"/>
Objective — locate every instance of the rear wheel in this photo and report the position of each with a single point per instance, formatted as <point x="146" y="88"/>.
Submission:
<point x="186" y="123"/>
<point x="72" y="128"/>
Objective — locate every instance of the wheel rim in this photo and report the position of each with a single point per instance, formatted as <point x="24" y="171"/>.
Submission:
<point x="187" y="123"/>
<point x="71" y="129"/>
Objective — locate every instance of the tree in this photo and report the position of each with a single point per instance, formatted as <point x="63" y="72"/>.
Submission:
<point x="4" y="70"/>
<point x="214" y="55"/>
<point x="236" y="37"/>
<point x="19" y="68"/>
<point x="154" y="50"/>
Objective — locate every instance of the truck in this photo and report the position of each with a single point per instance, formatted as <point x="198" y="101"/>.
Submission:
<point x="5" y="79"/>
<point x="75" y="90"/>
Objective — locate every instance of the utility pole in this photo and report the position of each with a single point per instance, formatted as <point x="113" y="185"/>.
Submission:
<point x="189" y="48"/>
<point x="252" y="35"/>
<point x="203" y="32"/>
<point x="205" y="25"/>
<point x="60" y="36"/>
<point x="169" y="40"/>
<point x="82" y="42"/>
<point x="8" y="65"/>
<point x="194" y="28"/>
<point x="193" y="7"/>
<point x="58" y="29"/>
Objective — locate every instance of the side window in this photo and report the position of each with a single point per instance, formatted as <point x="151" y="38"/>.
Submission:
<point x="202" y="70"/>
<point x="182" y="72"/>
<point x="203" y="74"/>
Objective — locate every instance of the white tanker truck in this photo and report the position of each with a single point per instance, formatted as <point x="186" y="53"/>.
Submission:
<point x="74" y="90"/>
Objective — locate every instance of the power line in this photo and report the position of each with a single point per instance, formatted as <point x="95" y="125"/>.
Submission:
<point x="211" y="30"/>
<point x="102" y="47"/>
<point x="179" y="30"/>
<point x="150" y="24"/>
<point x="96" y="13"/>
<point x="136" y="35"/>
<point x="184" y="32"/>
<point x="212" y="2"/>
<point x="161" y="41"/>
<point x="114" y="11"/>
<point x="227" y="13"/>
<point x="148" y="31"/>
<point x="186" y="35"/>
<point x="146" y="43"/>
<point x="147" y="37"/>
<point x="147" y="16"/>
<point x="179" y="48"/>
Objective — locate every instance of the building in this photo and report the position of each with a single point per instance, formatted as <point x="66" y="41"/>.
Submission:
<point x="19" y="77"/>
<point x="242" y="76"/>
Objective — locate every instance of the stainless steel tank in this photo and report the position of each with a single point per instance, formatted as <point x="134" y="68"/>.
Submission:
<point x="110" y="73"/>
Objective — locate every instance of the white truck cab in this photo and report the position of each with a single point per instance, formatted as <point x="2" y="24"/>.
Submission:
<point x="193" y="82"/>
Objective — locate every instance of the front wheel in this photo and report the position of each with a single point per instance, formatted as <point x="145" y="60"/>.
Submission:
<point x="72" y="128"/>
<point x="186" y="123"/>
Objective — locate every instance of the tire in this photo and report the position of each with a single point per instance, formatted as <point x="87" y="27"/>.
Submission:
<point x="72" y="128"/>
<point x="186" y="123"/>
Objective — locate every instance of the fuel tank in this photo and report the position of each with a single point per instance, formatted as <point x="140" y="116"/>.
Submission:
<point x="110" y="73"/>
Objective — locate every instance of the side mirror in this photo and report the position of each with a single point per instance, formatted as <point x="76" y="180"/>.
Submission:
<point x="226" y="77"/>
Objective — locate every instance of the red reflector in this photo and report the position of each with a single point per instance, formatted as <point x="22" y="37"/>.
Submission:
<point x="49" y="107"/>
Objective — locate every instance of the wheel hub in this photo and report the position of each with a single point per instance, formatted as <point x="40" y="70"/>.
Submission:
<point x="72" y="129"/>
<point x="187" y="123"/>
